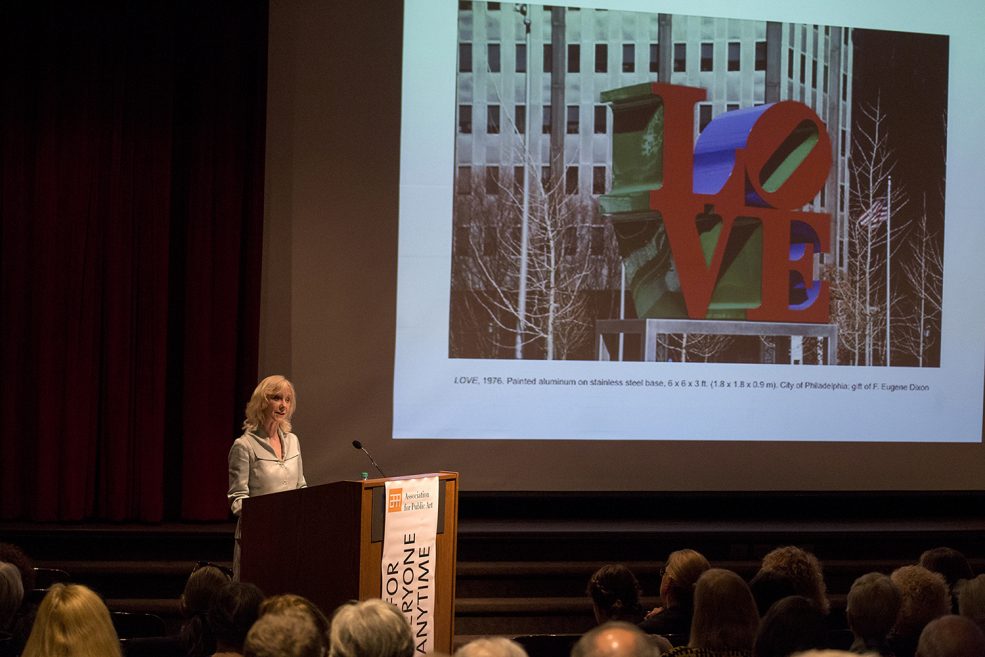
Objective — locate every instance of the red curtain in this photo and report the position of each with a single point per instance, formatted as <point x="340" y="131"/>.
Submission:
<point x="131" y="199"/>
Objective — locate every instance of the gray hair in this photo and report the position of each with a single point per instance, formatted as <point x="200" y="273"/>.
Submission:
<point x="11" y="593"/>
<point x="600" y="642"/>
<point x="491" y="647"/>
<point x="371" y="628"/>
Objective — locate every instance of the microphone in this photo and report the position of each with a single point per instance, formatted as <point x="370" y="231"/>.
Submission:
<point x="359" y="445"/>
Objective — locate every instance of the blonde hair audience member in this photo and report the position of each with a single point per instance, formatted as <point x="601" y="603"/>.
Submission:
<point x="971" y="600"/>
<point x="277" y="604"/>
<point x="72" y="621"/>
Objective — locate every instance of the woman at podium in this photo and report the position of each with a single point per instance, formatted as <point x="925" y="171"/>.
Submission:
<point x="267" y="457"/>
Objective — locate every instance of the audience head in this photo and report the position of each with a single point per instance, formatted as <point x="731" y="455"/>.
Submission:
<point x="491" y="647"/>
<point x="290" y="602"/>
<point x="371" y="628"/>
<point x="804" y="571"/>
<point x="615" y="639"/>
<point x="725" y="616"/>
<point x="201" y="588"/>
<point x="287" y="633"/>
<point x="234" y="610"/>
<point x="680" y="574"/>
<point x="615" y="594"/>
<point x="72" y="621"/>
<point x="923" y="596"/>
<point x="790" y="626"/>
<point x="951" y="636"/>
<point x="971" y="600"/>
<point x="872" y="606"/>
<point x="769" y="587"/>
<point x="948" y="562"/>
<point x="11" y="593"/>
<point x="16" y="556"/>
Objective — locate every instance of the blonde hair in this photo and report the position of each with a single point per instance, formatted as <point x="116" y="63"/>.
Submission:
<point x="72" y="621"/>
<point x="971" y="600"/>
<point x="256" y="408"/>
<point x="683" y="568"/>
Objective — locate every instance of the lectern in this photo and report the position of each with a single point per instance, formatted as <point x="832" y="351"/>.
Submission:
<point x="326" y="543"/>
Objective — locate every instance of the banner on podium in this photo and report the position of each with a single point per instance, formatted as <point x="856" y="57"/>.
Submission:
<point x="408" y="565"/>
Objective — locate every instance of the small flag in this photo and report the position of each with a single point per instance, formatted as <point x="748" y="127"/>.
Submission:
<point x="875" y="214"/>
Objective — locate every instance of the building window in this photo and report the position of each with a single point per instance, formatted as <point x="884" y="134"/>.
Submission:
<point x="704" y="115"/>
<point x="596" y="242"/>
<point x="492" y="180"/>
<point x="844" y="144"/>
<point x="707" y="56"/>
<point x="546" y="125"/>
<point x="734" y="55"/>
<point x="598" y="180"/>
<point x="492" y="120"/>
<point x="521" y="58"/>
<point x="571" y="181"/>
<point x="489" y="240"/>
<point x="520" y="118"/>
<point x="814" y="73"/>
<point x="548" y="57"/>
<point x="654" y="58"/>
<point x="628" y="58"/>
<point x="825" y="87"/>
<point x="731" y="107"/>
<point x="803" y="68"/>
<point x="493" y="52"/>
<point x="680" y="57"/>
<point x="518" y="177"/>
<point x="465" y="58"/>
<point x="465" y="5"/>
<point x="572" y="124"/>
<point x="465" y="119"/>
<point x="601" y="58"/>
<point x="574" y="58"/>
<point x="760" y="55"/>
<point x="464" y="180"/>
<point x="844" y="86"/>
<point x="462" y="240"/>
<point x="492" y="6"/>
<point x="601" y="119"/>
<point x="545" y="175"/>
<point x="790" y="63"/>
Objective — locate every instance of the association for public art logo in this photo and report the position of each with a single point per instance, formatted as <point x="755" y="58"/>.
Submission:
<point x="395" y="500"/>
<point x="750" y="173"/>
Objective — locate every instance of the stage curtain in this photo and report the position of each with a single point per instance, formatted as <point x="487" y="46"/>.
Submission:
<point x="131" y="199"/>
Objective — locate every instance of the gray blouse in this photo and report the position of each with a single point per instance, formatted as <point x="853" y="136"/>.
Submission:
<point x="254" y="469"/>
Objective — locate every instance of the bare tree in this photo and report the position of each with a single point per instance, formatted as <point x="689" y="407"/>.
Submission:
<point x="858" y="291"/>
<point x="925" y="274"/>
<point x="691" y="347"/>
<point x="570" y="255"/>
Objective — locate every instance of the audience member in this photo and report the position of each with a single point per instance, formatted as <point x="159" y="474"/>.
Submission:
<point x="924" y="597"/>
<point x="804" y="571"/>
<point x="287" y="633"/>
<point x="491" y="647"/>
<point x="769" y="587"/>
<point x="791" y="625"/>
<point x="234" y="610"/>
<point x="72" y="621"/>
<point x="615" y="594"/>
<point x="871" y="609"/>
<point x="725" y="618"/>
<point x="951" y="636"/>
<point x="11" y="595"/>
<point x="971" y="600"/>
<point x="19" y="626"/>
<point x="678" y="577"/>
<point x="290" y="602"/>
<point x="952" y="565"/>
<point x="616" y="639"/>
<point x="203" y="584"/>
<point x="371" y="628"/>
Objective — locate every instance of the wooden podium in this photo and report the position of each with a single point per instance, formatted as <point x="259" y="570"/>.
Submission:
<point x="326" y="543"/>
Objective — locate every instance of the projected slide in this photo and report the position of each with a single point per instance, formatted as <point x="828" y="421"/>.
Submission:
<point x="622" y="224"/>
